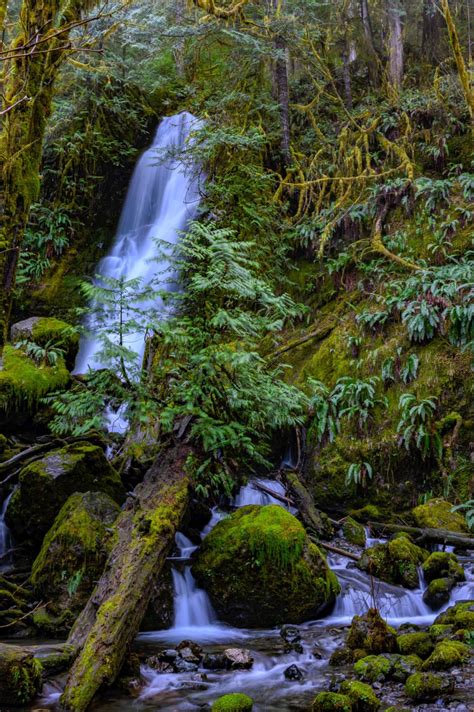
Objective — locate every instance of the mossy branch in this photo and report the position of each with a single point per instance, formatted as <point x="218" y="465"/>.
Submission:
<point x="460" y="63"/>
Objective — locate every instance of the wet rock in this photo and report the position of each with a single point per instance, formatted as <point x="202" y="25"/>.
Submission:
<point x="396" y="561"/>
<point x="160" y="612"/>
<point x="437" y="514"/>
<point x="424" y="686"/>
<point x="341" y="656"/>
<point x="460" y="616"/>
<point x="373" y="668"/>
<point x="169" y="655"/>
<point x="235" y="702"/>
<point x="292" y="638"/>
<point x="293" y="673"/>
<point x="403" y="666"/>
<point x="238" y="658"/>
<point x="331" y="702"/>
<point x="214" y="662"/>
<point x="181" y="665"/>
<point x="440" y="631"/>
<point x="74" y="552"/>
<point x="415" y="644"/>
<point x="438" y="592"/>
<point x="46" y="484"/>
<point x="371" y="633"/>
<point x="447" y="654"/>
<point x="41" y="330"/>
<point x="316" y="652"/>
<point x="442" y="564"/>
<point x="20" y="676"/>
<point x="261" y="569"/>
<point x="353" y="532"/>
<point x="189" y="651"/>
<point x="361" y="695"/>
<point x="159" y="665"/>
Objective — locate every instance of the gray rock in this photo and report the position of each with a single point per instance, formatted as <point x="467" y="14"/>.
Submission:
<point x="238" y="658"/>
<point x="293" y="673"/>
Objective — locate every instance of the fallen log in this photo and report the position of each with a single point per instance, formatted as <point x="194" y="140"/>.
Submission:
<point x="426" y="534"/>
<point x="304" y="502"/>
<point x="338" y="550"/>
<point x="111" y="619"/>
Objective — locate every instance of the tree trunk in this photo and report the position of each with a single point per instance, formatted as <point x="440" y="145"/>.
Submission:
<point x="304" y="502"/>
<point x="373" y="58"/>
<point x="111" y="619"/>
<point x="395" y="65"/>
<point x="431" y="31"/>
<point x="281" y="88"/>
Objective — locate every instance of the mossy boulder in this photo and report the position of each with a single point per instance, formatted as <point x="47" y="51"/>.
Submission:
<point x="424" y="686"/>
<point x="371" y="633"/>
<point x="43" y="330"/>
<point x="373" y="668"/>
<point x="396" y="561"/>
<point x="419" y="644"/>
<point x="437" y="514"/>
<point x="440" y="632"/>
<point x="362" y="696"/>
<point x="353" y="532"/>
<point x="368" y="513"/>
<point x="442" y="564"/>
<point x="74" y="551"/>
<point x="260" y="569"/>
<point x="20" y="676"/>
<point x="447" y="654"/>
<point x="403" y="666"/>
<point x="460" y="616"/>
<point x="331" y="702"/>
<point x="23" y="382"/>
<point x="235" y="702"/>
<point x="46" y="484"/>
<point x="438" y="592"/>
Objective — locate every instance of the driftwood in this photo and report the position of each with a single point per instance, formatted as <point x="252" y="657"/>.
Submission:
<point x="426" y="534"/>
<point x="304" y="502"/>
<point x="107" y="626"/>
<point x="338" y="550"/>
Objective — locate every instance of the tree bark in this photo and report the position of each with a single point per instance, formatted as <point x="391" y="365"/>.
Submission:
<point x="395" y="64"/>
<point x="431" y="36"/>
<point x="304" y="503"/>
<point x="281" y="88"/>
<point x="111" y="619"/>
<point x="373" y="59"/>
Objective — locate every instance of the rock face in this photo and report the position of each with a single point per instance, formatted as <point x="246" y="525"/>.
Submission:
<point x="260" y="569"/>
<point x="20" y="676"/>
<point x="437" y="514"/>
<point x="46" y="484"/>
<point x="74" y="551"/>
<point x="396" y="561"/>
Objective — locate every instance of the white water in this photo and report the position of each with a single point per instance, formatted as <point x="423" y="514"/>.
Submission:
<point x="162" y="198"/>
<point x="250" y="494"/>
<point x="5" y="538"/>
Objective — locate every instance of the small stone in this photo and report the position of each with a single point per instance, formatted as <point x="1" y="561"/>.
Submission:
<point x="214" y="662"/>
<point x="238" y="658"/>
<point x="181" y="665"/>
<point x="293" y="673"/>
<point x="192" y="652"/>
<point x="290" y="633"/>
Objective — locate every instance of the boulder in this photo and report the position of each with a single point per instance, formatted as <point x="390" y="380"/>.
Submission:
<point x="373" y="668"/>
<point x="46" y="484"/>
<point x="353" y="532"/>
<point x="442" y="564"/>
<point x="238" y="659"/>
<point x="362" y="696"/>
<point x="438" y="514"/>
<point x="371" y="633"/>
<point x="331" y="702"/>
<point x="424" y="686"/>
<point x="438" y="592"/>
<point x="415" y="644"/>
<point x="447" y="654"/>
<point x="43" y="330"/>
<point x="396" y="561"/>
<point x="74" y="551"/>
<point x="460" y="616"/>
<point x="20" y="676"/>
<point x="261" y="569"/>
<point x="236" y="702"/>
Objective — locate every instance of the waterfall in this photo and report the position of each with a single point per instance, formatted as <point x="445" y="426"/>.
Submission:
<point x="5" y="538"/>
<point x="162" y="199"/>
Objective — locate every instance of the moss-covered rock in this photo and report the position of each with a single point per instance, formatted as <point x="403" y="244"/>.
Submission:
<point x="331" y="702"/>
<point x="48" y="330"/>
<point x="440" y="632"/>
<point x="423" y="686"/>
<point x="447" y="654"/>
<point x="373" y="668"/>
<point x="371" y="633"/>
<point x="396" y="561"/>
<point x="23" y="383"/>
<point x="20" y="676"/>
<point x="46" y="484"/>
<point x="353" y="532"/>
<point x="438" y="592"/>
<point x="260" y="569"/>
<point x="460" y="616"/>
<point x="415" y="644"/>
<point x="362" y="696"/>
<point x="235" y="702"/>
<point x="437" y="514"/>
<point x="442" y="564"/>
<point x="74" y="551"/>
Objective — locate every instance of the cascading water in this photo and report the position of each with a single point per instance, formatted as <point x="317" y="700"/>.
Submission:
<point x="192" y="607"/>
<point x="162" y="199"/>
<point x="5" y="538"/>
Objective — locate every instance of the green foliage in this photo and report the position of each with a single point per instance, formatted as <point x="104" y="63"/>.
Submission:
<point x="417" y="426"/>
<point x="47" y="237"/>
<point x="47" y="355"/>
<point x="358" y="473"/>
<point x="468" y="509"/>
<point x="356" y="398"/>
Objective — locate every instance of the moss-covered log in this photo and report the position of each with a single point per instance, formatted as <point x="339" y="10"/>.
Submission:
<point x="112" y="617"/>
<point x="304" y="502"/>
<point x="427" y="535"/>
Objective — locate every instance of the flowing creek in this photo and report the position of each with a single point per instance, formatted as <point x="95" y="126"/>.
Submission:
<point x="265" y="682"/>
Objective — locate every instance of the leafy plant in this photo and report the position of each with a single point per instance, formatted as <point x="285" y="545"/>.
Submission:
<point x="417" y="426"/>
<point x="47" y="355"/>
<point x="409" y="371"/>
<point x="356" y="398"/>
<point x="468" y="509"/>
<point x="324" y="412"/>
<point x="373" y="320"/>
<point x="358" y="473"/>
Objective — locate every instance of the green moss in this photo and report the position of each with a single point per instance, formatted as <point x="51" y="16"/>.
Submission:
<point x="440" y="631"/>
<point x="415" y="644"/>
<point x="373" y="668"/>
<point x="23" y="383"/>
<point x="425" y="686"/>
<point x="260" y="568"/>
<point x="395" y="562"/>
<point x="368" y="513"/>
<point x="446" y="654"/>
<point x="20" y="676"/>
<point x="235" y="702"/>
<point x="362" y="696"/>
<point x="331" y="702"/>
<point x="437" y="514"/>
<point x="371" y="633"/>
<point x="460" y="616"/>
<point x="442" y="564"/>
<point x="353" y="532"/>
